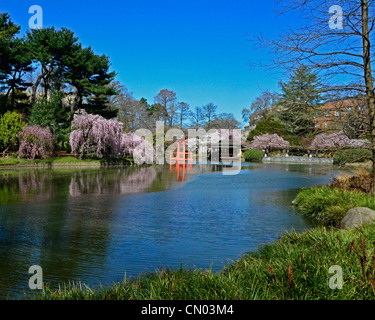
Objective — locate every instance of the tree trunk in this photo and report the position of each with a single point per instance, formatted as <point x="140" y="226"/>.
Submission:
<point x="34" y="88"/>
<point x="370" y="98"/>
<point x="5" y="151"/>
<point x="43" y="76"/>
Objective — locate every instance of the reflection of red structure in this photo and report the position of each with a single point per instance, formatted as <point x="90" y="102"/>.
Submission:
<point x="181" y="157"/>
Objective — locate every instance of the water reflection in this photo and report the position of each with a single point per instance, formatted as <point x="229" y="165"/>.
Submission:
<point x="116" y="182"/>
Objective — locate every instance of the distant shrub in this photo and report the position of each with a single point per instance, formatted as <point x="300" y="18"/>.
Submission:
<point x="351" y="156"/>
<point x="253" y="155"/>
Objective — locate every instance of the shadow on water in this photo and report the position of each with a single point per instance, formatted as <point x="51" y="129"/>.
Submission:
<point x="94" y="225"/>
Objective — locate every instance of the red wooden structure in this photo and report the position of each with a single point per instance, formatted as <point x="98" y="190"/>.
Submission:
<point x="181" y="157"/>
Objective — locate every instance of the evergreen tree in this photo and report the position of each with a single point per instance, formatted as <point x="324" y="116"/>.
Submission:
<point x="49" y="49"/>
<point x="15" y="62"/>
<point x="89" y="74"/>
<point x="299" y="101"/>
<point x="52" y="114"/>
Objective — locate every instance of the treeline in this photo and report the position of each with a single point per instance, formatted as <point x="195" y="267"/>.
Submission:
<point x="135" y="114"/>
<point x="47" y="75"/>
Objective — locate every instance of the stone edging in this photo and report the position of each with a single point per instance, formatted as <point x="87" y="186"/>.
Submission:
<point x="298" y="160"/>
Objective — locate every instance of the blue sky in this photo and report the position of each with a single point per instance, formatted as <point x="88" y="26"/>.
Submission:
<point x="199" y="48"/>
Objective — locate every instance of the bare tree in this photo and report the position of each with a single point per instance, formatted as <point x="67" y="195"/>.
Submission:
<point x="246" y="113"/>
<point x="134" y="114"/>
<point x="209" y="114"/>
<point x="182" y="111"/>
<point x="166" y="99"/>
<point x="336" y="42"/>
<point x="196" y="117"/>
<point x="225" y="121"/>
<point x="262" y="104"/>
<point x="355" y="124"/>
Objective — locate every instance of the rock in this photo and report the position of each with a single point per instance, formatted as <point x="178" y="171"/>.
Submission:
<point x="356" y="217"/>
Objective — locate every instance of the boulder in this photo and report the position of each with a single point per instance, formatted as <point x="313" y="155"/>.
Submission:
<point x="356" y="217"/>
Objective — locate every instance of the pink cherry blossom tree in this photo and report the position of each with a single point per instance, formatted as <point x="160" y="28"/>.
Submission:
<point x="335" y="140"/>
<point x="141" y="149"/>
<point x="95" y="134"/>
<point x="35" y="142"/>
<point x="270" y="142"/>
<point x="128" y="143"/>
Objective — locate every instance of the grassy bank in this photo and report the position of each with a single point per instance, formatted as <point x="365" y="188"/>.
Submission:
<point x="329" y="205"/>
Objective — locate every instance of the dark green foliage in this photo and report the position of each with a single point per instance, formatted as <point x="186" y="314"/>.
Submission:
<point x="89" y="74"/>
<point x="273" y="126"/>
<point x="49" y="50"/>
<point x="351" y="156"/>
<point x="63" y="61"/>
<point x="52" y="114"/>
<point x="8" y="30"/>
<point x="253" y="155"/>
<point x="299" y="101"/>
<point x="61" y="64"/>
<point x="15" y="62"/>
<point x="270" y="126"/>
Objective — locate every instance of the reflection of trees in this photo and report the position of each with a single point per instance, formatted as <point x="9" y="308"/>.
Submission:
<point x="112" y="182"/>
<point x="41" y="185"/>
<point x="25" y="186"/>
<point x="68" y="236"/>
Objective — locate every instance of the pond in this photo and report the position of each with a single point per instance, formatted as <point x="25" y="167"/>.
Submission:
<point x="96" y="225"/>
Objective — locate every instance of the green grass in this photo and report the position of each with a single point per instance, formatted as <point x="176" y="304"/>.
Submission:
<point x="294" y="267"/>
<point x="330" y="205"/>
<point x="12" y="161"/>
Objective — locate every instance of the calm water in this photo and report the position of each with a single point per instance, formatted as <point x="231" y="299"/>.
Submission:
<point x="95" y="225"/>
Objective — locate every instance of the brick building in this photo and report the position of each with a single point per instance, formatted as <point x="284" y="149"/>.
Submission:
<point x="334" y="115"/>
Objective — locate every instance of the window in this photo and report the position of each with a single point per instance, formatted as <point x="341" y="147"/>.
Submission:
<point x="363" y="109"/>
<point x="326" y="125"/>
<point x="349" y="108"/>
<point x="337" y="113"/>
<point x="326" y="113"/>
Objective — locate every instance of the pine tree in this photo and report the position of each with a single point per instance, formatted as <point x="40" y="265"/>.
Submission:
<point x="299" y="100"/>
<point x="15" y="62"/>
